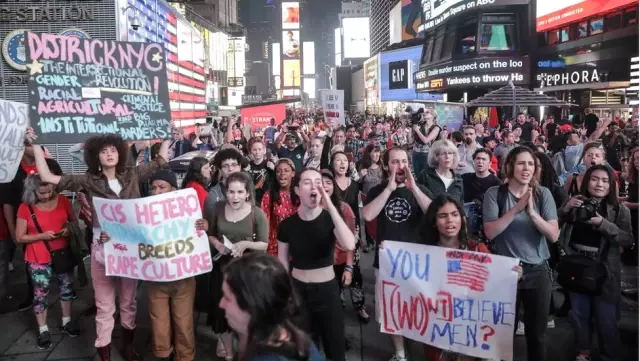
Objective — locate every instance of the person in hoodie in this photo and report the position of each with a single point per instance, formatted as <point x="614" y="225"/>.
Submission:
<point x="440" y="176"/>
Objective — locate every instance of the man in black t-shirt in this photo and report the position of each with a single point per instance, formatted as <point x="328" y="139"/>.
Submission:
<point x="291" y="149"/>
<point x="476" y="184"/>
<point x="525" y="126"/>
<point x="398" y="205"/>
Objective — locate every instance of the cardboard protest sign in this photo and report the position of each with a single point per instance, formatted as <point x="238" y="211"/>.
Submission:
<point x="333" y="106"/>
<point x="13" y="124"/>
<point x="454" y="300"/>
<point x="154" y="238"/>
<point x="84" y="87"/>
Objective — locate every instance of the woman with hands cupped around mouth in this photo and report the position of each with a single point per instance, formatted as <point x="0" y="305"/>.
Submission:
<point x="306" y="244"/>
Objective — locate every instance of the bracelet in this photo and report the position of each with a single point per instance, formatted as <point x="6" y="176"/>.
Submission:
<point x="348" y="268"/>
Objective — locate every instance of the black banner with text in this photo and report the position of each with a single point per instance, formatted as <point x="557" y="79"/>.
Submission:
<point x="474" y="72"/>
<point x="84" y="87"/>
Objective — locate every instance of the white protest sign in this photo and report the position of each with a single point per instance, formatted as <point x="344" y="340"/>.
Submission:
<point x="13" y="125"/>
<point x="154" y="238"/>
<point x="455" y="300"/>
<point x="333" y="105"/>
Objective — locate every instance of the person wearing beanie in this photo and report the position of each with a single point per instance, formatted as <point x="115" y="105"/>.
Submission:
<point x="171" y="303"/>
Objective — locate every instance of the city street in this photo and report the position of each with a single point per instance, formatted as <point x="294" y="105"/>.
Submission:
<point x="18" y="341"/>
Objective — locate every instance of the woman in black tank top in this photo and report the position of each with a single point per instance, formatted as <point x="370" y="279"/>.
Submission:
<point x="308" y="239"/>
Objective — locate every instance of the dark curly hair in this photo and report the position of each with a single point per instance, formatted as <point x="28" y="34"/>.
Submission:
<point x="94" y="145"/>
<point x="194" y="172"/>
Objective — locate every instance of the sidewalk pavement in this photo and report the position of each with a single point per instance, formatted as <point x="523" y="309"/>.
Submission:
<point x="18" y="341"/>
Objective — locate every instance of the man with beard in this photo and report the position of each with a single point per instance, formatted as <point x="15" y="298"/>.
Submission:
<point x="509" y="142"/>
<point x="467" y="149"/>
<point x="525" y="126"/>
<point x="398" y="205"/>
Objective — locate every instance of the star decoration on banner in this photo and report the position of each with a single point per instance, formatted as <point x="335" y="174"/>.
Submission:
<point x="156" y="57"/>
<point x="35" y="67"/>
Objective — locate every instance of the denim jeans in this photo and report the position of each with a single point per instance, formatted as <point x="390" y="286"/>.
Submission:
<point x="420" y="162"/>
<point x="534" y="294"/>
<point x="605" y="316"/>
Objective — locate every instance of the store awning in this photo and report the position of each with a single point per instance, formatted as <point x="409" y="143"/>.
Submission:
<point x="515" y="96"/>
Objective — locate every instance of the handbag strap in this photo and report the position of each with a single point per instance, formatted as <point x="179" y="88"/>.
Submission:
<point x="254" y="234"/>
<point x="35" y="222"/>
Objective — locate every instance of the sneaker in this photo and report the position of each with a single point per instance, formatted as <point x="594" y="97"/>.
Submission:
<point x="44" y="340"/>
<point x="583" y="357"/>
<point x="26" y="305"/>
<point x="551" y="323"/>
<point x="397" y="358"/>
<point x="520" y="330"/>
<point x="11" y="268"/>
<point x="71" y="330"/>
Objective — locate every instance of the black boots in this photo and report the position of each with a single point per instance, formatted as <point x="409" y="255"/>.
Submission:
<point x="129" y="351"/>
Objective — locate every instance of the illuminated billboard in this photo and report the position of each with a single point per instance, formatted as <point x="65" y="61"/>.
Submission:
<point x="291" y="44"/>
<point x="259" y="117"/>
<point x="411" y="14"/>
<point x="309" y="60"/>
<point x="396" y="75"/>
<point x="290" y="15"/>
<point x="395" y="24"/>
<point x="275" y="66"/>
<point x="371" y="83"/>
<point x="338" y="47"/>
<point x="356" y="38"/>
<point x="291" y="73"/>
<point x="438" y="12"/>
<point x="553" y="13"/>
<point x="309" y="87"/>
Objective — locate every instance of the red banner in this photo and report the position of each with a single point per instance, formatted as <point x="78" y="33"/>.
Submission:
<point x="260" y="116"/>
<point x="550" y="17"/>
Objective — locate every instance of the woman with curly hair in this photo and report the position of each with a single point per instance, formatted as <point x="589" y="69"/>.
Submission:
<point x="280" y="202"/>
<point x="198" y="177"/>
<point x="107" y="177"/>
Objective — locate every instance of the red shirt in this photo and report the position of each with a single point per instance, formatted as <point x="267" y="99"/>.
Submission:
<point x="30" y="169"/>
<point x="281" y="210"/>
<point x="54" y="220"/>
<point x="200" y="191"/>
<point x="340" y="255"/>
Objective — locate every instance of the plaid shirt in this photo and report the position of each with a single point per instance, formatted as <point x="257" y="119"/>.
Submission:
<point x="355" y="145"/>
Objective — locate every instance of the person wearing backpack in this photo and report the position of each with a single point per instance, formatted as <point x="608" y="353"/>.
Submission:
<point x="595" y="227"/>
<point x="519" y="216"/>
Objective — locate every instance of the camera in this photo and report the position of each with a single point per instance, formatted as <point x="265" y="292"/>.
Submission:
<point x="135" y="23"/>
<point x="586" y="211"/>
<point x="416" y="118"/>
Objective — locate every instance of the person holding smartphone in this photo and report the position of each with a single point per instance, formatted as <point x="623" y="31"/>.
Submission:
<point x="291" y="149"/>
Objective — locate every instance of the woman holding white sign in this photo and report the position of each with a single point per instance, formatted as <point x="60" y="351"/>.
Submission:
<point x="446" y="226"/>
<point x="236" y="225"/>
<point x="107" y="177"/>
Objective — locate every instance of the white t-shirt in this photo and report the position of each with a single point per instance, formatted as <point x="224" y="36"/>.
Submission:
<point x="447" y="181"/>
<point x="115" y="186"/>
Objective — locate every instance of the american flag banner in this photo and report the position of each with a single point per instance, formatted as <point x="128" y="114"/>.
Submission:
<point x="184" y="56"/>
<point x="467" y="273"/>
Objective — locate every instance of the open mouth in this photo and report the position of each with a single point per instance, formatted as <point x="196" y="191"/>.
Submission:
<point x="314" y="197"/>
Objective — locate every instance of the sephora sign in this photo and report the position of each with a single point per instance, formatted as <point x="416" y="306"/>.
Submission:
<point x="581" y="76"/>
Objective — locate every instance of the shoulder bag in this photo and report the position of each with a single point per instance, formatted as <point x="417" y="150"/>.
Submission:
<point x="62" y="260"/>
<point x="582" y="274"/>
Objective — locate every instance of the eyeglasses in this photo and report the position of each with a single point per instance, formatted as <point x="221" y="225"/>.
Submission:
<point x="229" y="166"/>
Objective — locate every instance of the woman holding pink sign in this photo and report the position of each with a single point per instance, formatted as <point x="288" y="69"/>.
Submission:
<point x="107" y="177"/>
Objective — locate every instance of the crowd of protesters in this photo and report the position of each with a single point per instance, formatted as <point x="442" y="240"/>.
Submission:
<point x="513" y="189"/>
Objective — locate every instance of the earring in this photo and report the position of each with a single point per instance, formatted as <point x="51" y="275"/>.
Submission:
<point x="99" y="168"/>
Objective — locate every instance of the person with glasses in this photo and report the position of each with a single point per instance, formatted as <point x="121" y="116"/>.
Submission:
<point x="225" y="162"/>
<point x="180" y="144"/>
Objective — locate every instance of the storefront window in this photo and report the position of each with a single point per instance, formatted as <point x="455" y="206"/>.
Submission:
<point x="467" y="37"/>
<point x="497" y="37"/>
<point x="614" y="21"/>
<point x="583" y="27"/>
<point x="630" y="16"/>
<point x="553" y="37"/>
<point x="596" y="26"/>
<point x="564" y="34"/>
